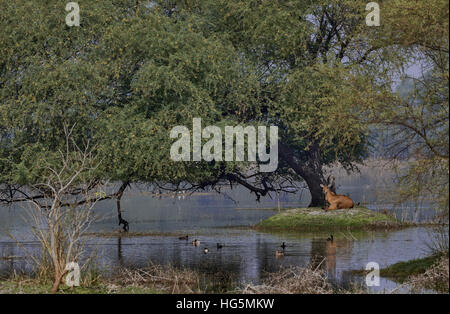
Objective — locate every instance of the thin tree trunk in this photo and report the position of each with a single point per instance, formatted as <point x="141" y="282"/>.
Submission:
<point x="119" y="210"/>
<point x="58" y="278"/>
<point x="55" y="286"/>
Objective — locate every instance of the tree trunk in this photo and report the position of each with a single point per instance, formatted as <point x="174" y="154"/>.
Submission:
<point x="310" y="171"/>
<point x="119" y="210"/>
<point x="314" y="180"/>
<point x="57" y="282"/>
<point x="121" y="220"/>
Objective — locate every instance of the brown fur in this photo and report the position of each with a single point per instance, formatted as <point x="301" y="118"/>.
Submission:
<point x="336" y="201"/>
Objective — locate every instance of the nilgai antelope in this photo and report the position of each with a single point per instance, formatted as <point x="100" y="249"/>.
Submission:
<point x="336" y="201"/>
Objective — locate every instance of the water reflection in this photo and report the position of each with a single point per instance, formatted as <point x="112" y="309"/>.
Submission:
<point x="212" y="219"/>
<point x="119" y="251"/>
<point x="325" y="253"/>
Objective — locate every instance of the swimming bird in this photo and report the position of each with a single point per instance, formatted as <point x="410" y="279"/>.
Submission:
<point x="206" y="250"/>
<point x="331" y="238"/>
<point x="195" y="242"/>
<point x="283" y="246"/>
<point x="184" y="238"/>
<point x="219" y="246"/>
<point x="279" y="253"/>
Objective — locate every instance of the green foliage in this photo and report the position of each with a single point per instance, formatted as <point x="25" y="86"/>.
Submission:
<point x="124" y="80"/>
<point x="132" y="71"/>
<point x="417" y="115"/>
<point x="298" y="50"/>
<point x="322" y="107"/>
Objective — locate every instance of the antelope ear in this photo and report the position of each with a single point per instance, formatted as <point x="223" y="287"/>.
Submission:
<point x="321" y="185"/>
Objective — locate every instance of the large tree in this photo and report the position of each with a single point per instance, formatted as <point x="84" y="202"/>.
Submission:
<point x="135" y="69"/>
<point x="325" y="76"/>
<point x="304" y="55"/>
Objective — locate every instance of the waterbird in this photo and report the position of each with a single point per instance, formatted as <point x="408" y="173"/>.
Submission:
<point x="283" y="246"/>
<point x="195" y="242"/>
<point x="279" y="253"/>
<point x="184" y="238"/>
<point x="205" y="250"/>
<point x="331" y="238"/>
<point x="219" y="246"/>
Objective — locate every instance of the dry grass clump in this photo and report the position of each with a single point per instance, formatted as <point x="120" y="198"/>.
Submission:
<point x="292" y="280"/>
<point x="163" y="278"/>
<point x="435" y="277"/>
<point x="170" y="279"/>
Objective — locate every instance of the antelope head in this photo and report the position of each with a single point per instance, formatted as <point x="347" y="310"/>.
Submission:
<point x="331" y="183"/>
<point x="325" y="189"/>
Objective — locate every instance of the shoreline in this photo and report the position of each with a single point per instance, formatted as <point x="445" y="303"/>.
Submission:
<point x="158" y="279"/>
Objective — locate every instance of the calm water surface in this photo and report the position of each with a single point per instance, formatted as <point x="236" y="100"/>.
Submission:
<point x="214" y="218"/>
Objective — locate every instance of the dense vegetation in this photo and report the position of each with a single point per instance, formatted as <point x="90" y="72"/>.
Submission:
<point x="135" y="69"/>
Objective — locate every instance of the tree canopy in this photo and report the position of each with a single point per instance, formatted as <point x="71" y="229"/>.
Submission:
<point x="135" y="69"/>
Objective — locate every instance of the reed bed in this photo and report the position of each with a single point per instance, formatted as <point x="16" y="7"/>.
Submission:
<point x="292" y="280"/>
<point x="435" y="277"/>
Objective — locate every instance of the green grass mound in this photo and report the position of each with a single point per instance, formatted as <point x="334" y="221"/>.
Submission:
<point x="402" y="270"/>
<point x="317" y="219"/>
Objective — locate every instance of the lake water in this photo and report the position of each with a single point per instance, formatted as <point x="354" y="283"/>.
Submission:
<point x="223" y="218"/>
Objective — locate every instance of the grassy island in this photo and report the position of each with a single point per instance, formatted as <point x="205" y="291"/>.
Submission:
<point x="317" y="219"/>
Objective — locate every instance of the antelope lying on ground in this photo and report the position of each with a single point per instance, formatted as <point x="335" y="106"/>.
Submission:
<point x="336" y="201"/>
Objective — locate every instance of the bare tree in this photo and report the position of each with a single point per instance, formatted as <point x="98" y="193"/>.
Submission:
<point x="62" y="215"/>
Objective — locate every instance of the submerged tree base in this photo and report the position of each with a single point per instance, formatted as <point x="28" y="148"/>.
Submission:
<point x="317" y="219"/>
